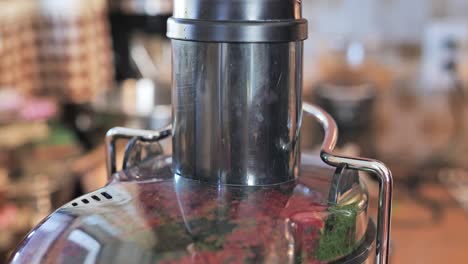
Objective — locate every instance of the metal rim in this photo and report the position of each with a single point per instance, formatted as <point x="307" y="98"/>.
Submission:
<point x="237" y="31"/>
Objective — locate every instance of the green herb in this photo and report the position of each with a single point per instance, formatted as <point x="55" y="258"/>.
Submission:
<point x="338" y="238"/>
<point x="173" y="232"/>
<point x="211" y="240"/>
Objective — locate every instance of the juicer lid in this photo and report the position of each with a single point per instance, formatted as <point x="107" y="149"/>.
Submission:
<point x="238" y="21"/>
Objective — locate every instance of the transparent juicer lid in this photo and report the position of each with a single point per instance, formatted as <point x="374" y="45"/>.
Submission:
<point x="319" y="218"/>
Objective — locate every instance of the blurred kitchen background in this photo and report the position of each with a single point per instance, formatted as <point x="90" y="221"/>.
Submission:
<point x="393" y="73"/>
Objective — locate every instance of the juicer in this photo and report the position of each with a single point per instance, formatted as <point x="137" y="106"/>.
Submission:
<point x="236" y="188"/>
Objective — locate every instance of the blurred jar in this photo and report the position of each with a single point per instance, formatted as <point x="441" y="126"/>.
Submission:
<point x="18" y="52"/>
<point x="424" y="119"/>
<point x="75" y="48"/>
<point x="351" y="76"/>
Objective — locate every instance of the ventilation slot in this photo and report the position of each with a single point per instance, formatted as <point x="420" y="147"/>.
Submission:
<point x="93" y="198"/>
<point x="108" y="196"/>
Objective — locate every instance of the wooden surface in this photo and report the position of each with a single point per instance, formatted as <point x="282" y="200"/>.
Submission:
<point x="418" y="236"/>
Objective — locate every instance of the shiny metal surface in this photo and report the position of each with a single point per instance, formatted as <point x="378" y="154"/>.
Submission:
<point x="372" y="166"/>
<point x="237" y="9"/>
<point x="343" y="181"/>
<point x="117" y="133"/>
<point x="137" y="152"/>
<point x="129" y="218"/>
<point x="275" y="31"/>
<point x="236" y="111"/>
<point x="237" y="21"/>
<point x="162" y="218"/>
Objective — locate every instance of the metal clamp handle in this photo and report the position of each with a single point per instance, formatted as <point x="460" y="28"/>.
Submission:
<point x="368" y="165"/>
<point x="117" y="133"/>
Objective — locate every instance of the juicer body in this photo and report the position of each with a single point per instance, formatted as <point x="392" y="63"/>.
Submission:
<point x="233" y="190"/>
<point x="148" y="215"/>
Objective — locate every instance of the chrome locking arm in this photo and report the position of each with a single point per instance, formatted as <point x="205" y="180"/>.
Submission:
<point x="117" y="133"/>
<point x="368" y="165"/>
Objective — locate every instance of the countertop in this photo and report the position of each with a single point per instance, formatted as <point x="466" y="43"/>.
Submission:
<point x="433" y="229"/>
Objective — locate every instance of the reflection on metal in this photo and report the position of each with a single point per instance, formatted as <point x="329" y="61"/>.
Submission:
<point x="236" y="111"/>
<point x="261" y="21"/>
<point x="138" y="151"/>
<point x="368" y="165"/>
<point x="127" y="133"/>
<point x="343" y="181"/>
<point x="88" y="243"/>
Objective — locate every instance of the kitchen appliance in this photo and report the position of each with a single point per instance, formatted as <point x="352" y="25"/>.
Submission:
<point x="235" y="189"/>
